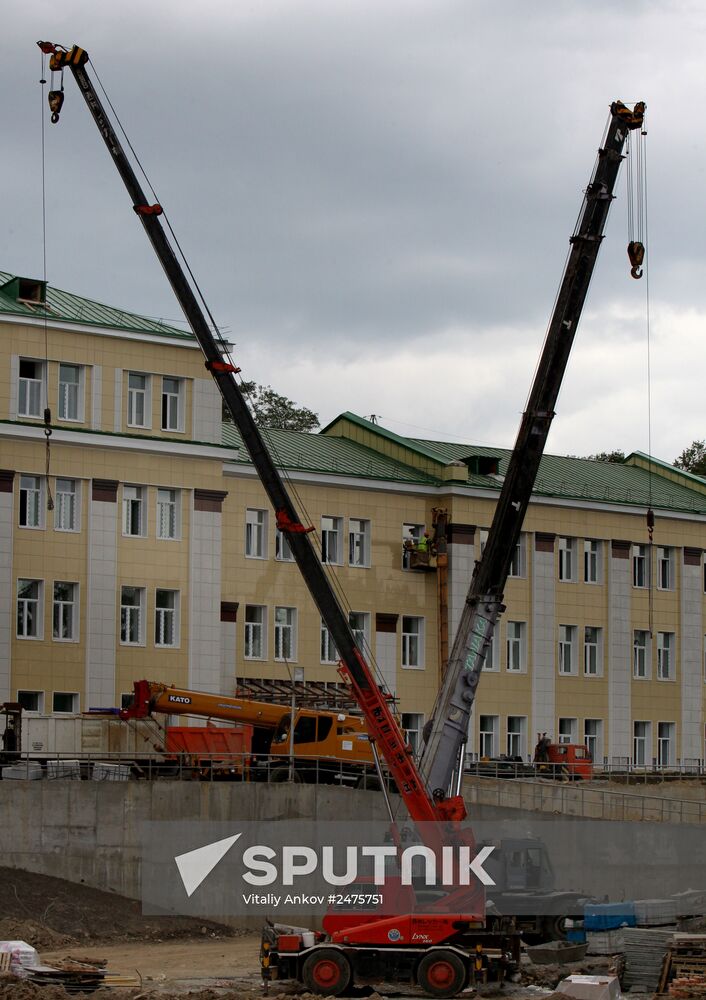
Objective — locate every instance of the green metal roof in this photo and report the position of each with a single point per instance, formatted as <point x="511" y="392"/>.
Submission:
<point x="64" y="307"/>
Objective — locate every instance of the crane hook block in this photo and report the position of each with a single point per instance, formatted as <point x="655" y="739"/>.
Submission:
<point x="147" y="209"/>
<point x="56" y="101"/>
<point x="636" y="254"/>
<point x="285" y="523"/>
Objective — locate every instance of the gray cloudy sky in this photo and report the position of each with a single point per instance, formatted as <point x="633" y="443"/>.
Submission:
<point x="377" y="197"/>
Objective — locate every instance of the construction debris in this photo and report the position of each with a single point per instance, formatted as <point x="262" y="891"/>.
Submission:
<point x="645" y="949"/>
<point x="684" y="968"/>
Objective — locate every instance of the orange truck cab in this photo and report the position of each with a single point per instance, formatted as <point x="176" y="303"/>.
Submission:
<point x="567" y="760"/>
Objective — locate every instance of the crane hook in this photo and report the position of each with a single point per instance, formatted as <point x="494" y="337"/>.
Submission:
<point x="636" y="255"/>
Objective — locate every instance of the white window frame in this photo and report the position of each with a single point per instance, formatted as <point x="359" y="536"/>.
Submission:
<point x="358" y="542"/>
<point x="255" y="533"/>
<point x="134" y="507"/>
<point x="641" y="655"/>
<point x="594" y="740"/>
<point x="413" y="726"/>
<point x="283" y="550"/>
<point x="331" y="540"/>
<point x="285" y="621"/>
<point x="174" y="402"/>
<point x="568" y="729"/>
<point x="30" y="610"/>
<point x="75" y="701"/>
<point x="491" y="661"/>
<point x="39" y="710"/>
<point x="642" y="743"/>
<point x="67" y="505"/>
<point x="592" y="561"/>
<point x="356" y="619"/>
<point x="71" y="394"/>
<point x="640" y="567"/>
<point x="666" y="744"/>
<point x="132" y="615"/>
<point x="518" y="565"/>
<point x="516" y="738"/>
<point x="167" y="617"/>
<point x="32" y="388"/>
<point x="168" y="514"/>
<point x="327" y="647"/>
<point x="32" y="500"/>
<point x="412" y="642"/>
<point x="410" y="533"/>
<point x="67" y="609"/>
<point x="567" y="559"/>
<point x="666" y="562"/>
<point x="516" y="647"/>
<point x="567" y="646"/>
<point x="255" y="632"/>
<point x="592" y="651"/>
<point x="136" y="396"/>
<point x="666" y="656"/>
<point x="488" y="735"/>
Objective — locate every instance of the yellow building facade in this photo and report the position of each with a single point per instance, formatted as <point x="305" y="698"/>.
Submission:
<point x="136" y="541"/>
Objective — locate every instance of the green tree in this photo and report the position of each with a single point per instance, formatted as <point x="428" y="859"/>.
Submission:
<point x="693" y="458"/>
<point x="274" y="411"/>
<point x="616" y="456"/>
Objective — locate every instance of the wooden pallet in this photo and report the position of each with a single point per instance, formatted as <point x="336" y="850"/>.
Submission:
<point x="5" y="959"/>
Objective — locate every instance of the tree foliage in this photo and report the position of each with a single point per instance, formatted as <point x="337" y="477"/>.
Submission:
<point x="274" y="411"/>
<point x="693" y="458"/>
<point x="616" y="456"/>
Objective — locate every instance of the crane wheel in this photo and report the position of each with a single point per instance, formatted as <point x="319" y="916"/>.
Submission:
<point x="279" y="775"/>
<point x="327" y="972"/>
<point x="442" y="973"/>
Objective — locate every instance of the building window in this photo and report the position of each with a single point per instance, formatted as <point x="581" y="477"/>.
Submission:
<point x="665" y="655"/>
<point x="64" y="616"/>
<point x="64" y="701"/>
<point x="283" y="550"/>
<point x="592" y="568"/>
<point x="593" y="738"/>
<point x="254" y="632"/>
<point x="567" y="649"/>
<point x="30" y="395"/>
<point x="666" y="743"/>
<point x="138" y="402"/>
<point x="412" y="724"/>
<point x="331" y="531"/>
<point x="412" y="641"/>
<point x="516" y="735"/>
<point x="132" y="609"/>
<point x="592" y="651"/>
<point x="358" y="542"/>
<point x="134" y="520"/>
<point x="665" y="568"/>
<point x="410" y="533"/>
<point x="285" y="633"/>
<point x="490" y="660"/>
<point x="70" y="395"/>
<point x="168" y="511"/>
<point x="65" y="505"/>
<point x="329" y="653"/>
<point x="166" y="618"/>
<point x="641" y="743"/>
<point x="29" y="609"/>
<point x="256" y="533"/>
<point x="518" y="566"/>
<point x="567" y="559"/>
<point x="488" y="742"/>
<point x="31" y="506"/>
<point x="568" y="730"/>
<point x="31" y="701"/>
<point x="641" y="654"/>
<point x="640" y="566"/>
<point x="516" y="646"/>
<point x="359" y="622"/>
<point x="172" y="406"/>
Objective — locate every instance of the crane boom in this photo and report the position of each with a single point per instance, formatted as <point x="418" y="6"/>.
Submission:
<point x="442" y="750"/>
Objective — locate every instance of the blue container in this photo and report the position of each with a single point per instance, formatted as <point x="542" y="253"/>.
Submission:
<point x="608" y="916"/>
<point x="576" y="935"/>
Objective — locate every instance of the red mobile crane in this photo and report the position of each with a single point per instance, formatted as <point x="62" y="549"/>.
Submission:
<point x="360" y="945"/>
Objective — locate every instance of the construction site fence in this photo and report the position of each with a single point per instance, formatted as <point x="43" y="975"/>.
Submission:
<point x="208" y="767"/>
<point x="609" y="768"/>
